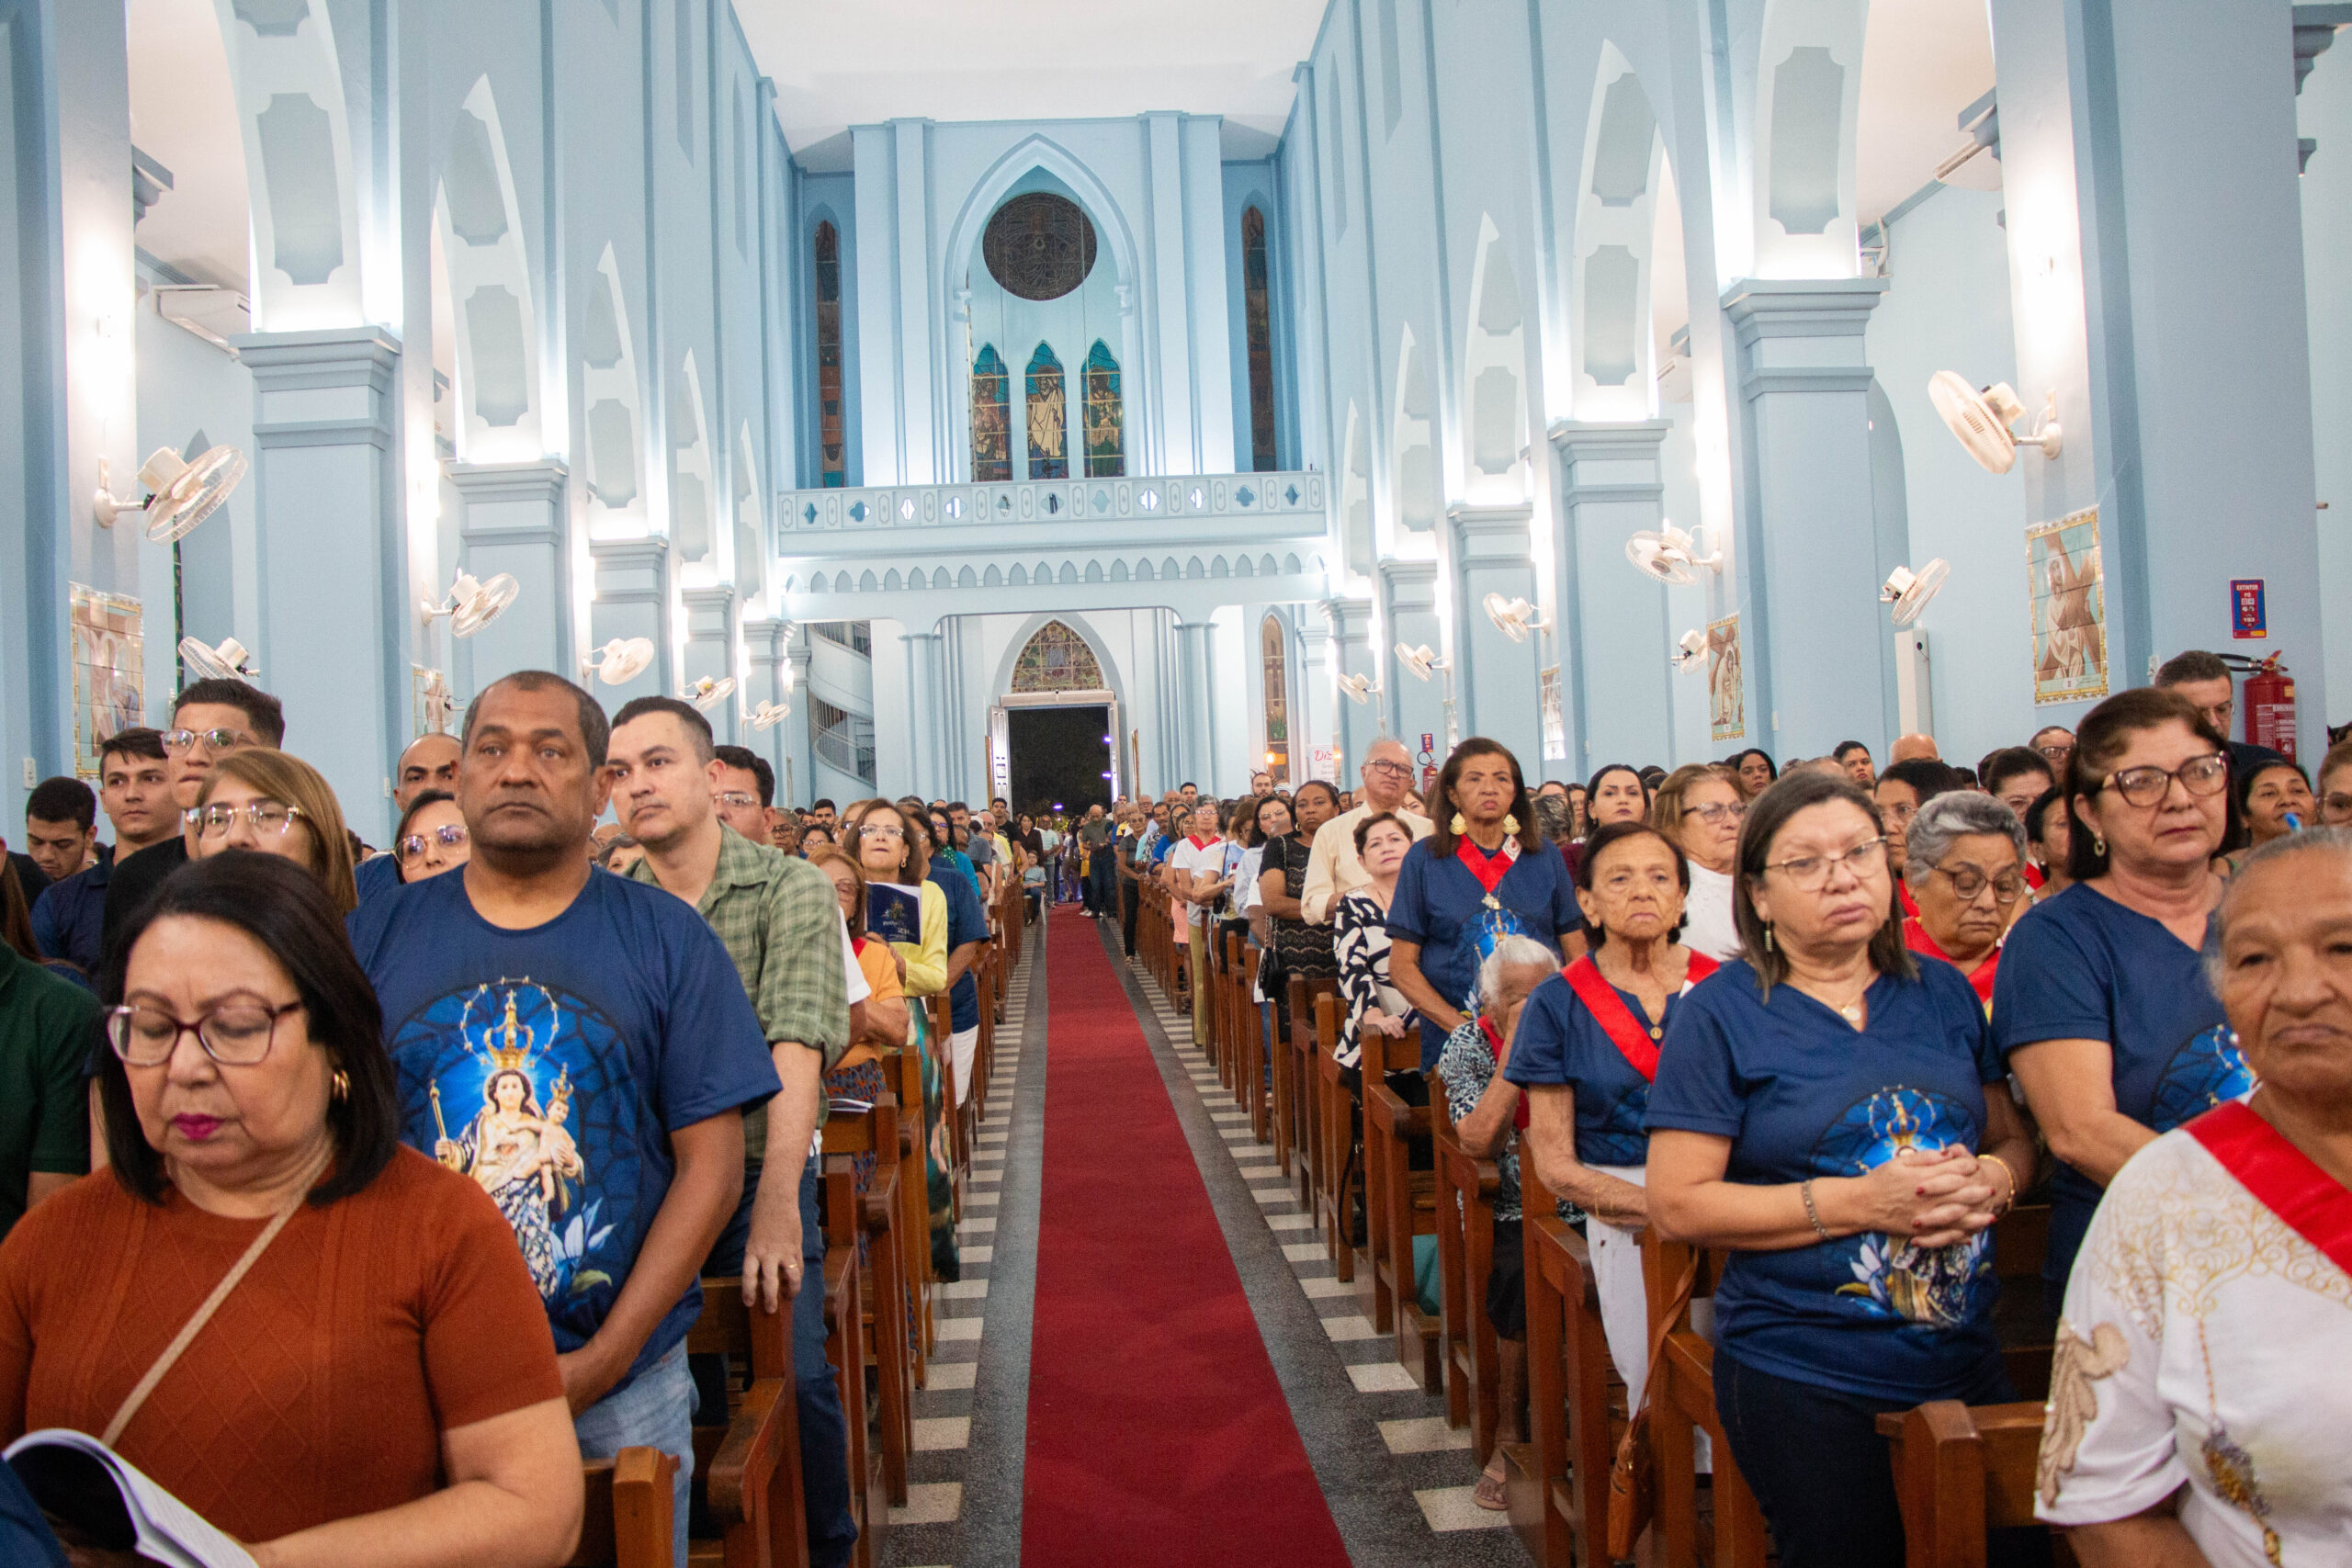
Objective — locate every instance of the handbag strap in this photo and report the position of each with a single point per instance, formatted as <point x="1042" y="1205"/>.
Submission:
<point x="195" y="1326"/>
<point x="1667" y="1320"/>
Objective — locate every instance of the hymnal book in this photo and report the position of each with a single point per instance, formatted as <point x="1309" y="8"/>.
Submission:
<point x="894" y="912"/>
<point x="81" y="1483"/>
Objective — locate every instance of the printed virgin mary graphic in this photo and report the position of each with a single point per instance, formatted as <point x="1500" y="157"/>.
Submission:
<point x="527" y="1162"/>
<point x="1893" y="1276"/>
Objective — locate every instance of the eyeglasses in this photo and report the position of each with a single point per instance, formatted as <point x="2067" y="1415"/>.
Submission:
<point x="1390" y="769"/>
<point x="737" y="800"/>
<point x="1968" y="882"/>
<point x="1810" y="874"/>
<point x="448" y="838"/>
<point x="1714" y="813"/>
<point x="2055" y="753"/>
<point x="2146" y="786"/>
<point x="268" y="817"/>
<point x="178" y="740"/>
<point x="881" y="832"/>
<point x="235" y="1033"/>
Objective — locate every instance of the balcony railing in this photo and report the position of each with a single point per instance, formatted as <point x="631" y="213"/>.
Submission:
<point x="842" y="752"/>
<point x="1297" y="496"/>
<point x="857" y="636"/>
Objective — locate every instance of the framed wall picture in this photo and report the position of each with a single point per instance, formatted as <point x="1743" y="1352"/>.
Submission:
<point x="2068" y="595"/>
<point x="109" y="662"/>
<point x="1726" y="683"/>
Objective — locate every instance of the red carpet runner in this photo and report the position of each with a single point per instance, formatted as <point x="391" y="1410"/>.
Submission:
<point x="1158" y="1433"/>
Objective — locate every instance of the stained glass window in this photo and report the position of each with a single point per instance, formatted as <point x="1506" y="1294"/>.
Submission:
<point x="1056" y="659"/>
<point x="991" y="428"/>
<point x="1047" y="417"/>
<point x="832" y="446"/>
<point x="1257" y="318"/>
<point x="1106" y="454"/>
<point x="1275" y="663"/>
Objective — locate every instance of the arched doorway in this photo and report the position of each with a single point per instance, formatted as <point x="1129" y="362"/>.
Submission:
<point x="1051" y="734"/>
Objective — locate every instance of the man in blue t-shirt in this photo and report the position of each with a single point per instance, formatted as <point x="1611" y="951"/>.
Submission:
<point x="581" y="1046"/>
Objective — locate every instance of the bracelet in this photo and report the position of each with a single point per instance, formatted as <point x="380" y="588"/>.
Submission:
<point x="1805" y="1190"/>
<point x="1996" y="1160"/>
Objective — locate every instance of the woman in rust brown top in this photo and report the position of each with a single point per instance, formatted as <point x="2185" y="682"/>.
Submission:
<point x="379" y="1385"/>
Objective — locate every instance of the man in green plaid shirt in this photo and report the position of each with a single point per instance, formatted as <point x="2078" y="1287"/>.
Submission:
<point x="781" y="922"/>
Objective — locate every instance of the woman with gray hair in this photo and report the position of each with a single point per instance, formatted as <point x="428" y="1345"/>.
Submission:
<point x="1487" y="1112"/>
<point x="1965" y="862"/>
<point x="2193" y="1398"/>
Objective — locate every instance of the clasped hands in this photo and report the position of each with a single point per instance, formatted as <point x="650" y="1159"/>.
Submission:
<point x="1932" y="1197"/>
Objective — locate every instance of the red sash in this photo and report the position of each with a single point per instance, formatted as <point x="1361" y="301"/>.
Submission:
<point x="1494" y="1044"/>
<point x="2286" y="1180"/>
<point x="1616" y="1019"/>
<point x="1489" y="869"/>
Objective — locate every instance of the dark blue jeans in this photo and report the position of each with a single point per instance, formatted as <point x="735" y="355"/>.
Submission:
<point x="1823" y="1476"/>
<point x="824" y="1429"/>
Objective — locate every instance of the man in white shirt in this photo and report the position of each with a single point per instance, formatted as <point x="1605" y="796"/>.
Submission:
<point x="1332" y="869"/>
<point x="1196" y="876"/>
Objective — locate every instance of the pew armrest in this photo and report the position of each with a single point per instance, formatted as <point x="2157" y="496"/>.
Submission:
<point x="750" y="1454"/>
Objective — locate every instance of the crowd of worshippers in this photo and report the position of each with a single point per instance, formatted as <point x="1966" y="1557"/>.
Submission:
<point x="1833" y="1020"/>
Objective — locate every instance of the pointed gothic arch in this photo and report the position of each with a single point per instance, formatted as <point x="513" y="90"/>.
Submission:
<point x="1055" y="658"/>
<point x="1045" y="411"/>
<point x="1105" y="416"/>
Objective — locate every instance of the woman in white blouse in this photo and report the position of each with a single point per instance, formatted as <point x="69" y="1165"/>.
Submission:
<point x="2201" y="1404"/>
<point x="1699" y="810"/>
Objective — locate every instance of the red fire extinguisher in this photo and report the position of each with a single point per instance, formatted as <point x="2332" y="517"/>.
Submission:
<point x="2271" y="708"/>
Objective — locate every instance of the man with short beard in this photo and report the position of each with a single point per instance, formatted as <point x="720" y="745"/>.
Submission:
<point x="1332" y="869"/>
<point x="535" y="1007"/>
<point x="782" y="924"/>
<point x="211" y="716"/>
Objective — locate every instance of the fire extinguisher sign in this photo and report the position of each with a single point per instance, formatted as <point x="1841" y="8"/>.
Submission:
<point x="2248" y="618"/>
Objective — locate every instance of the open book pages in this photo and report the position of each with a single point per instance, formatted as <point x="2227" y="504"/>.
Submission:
<point x="78" y="1480"/>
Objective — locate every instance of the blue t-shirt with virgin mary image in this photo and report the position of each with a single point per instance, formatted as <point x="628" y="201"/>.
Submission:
<point x="551" y="1065"/>
<point x="1800" y="1093"/>
<point x="1440" y="905"/>
<point x="1559" y="1041"/>
<point x="2084" y="967"/>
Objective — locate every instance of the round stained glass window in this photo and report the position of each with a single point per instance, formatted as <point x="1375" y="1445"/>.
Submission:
<point x="1039" y="246"/>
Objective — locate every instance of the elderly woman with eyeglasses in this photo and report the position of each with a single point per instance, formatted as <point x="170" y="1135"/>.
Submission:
<point x="1965" y="866"/>
<point x="431" y="837"/>
<point x="1699" y="809"/>
<point x="2201" y="1400"/>
<point x="2102" y="1007"/>
<point x="1831" y="1113"/>
<point x="378" y="1386"/>
<point x="276" y="805"/>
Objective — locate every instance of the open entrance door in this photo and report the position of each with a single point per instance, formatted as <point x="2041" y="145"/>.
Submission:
<point x="1060" y="757"/>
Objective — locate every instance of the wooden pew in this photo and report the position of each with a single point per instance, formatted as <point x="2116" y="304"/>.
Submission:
<point x="903" y="1070"/>
<point x="845" y="1351"/>
<point x="1250" y="1021"/>
<point x="883" y="1291"/>
<point x="747" y="1465"/>
<point x="1468" y="1349"/>
<point x="1400" y="1204"/>
<point x="1682" y="1404"/>
<point x="1336" y="1176"/>
<point x="1306" y="1082"/>
<point x="1960" y="1471"/>
<point x="630" y="1513"/>
<point x="959" y="1151"/>
<point x="1558" y="1483"/>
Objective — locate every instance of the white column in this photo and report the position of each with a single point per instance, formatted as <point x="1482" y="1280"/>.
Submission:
<point x="1195" y="717"/>
<point x="632" y="600"/>
<point x="1613" y="673"/>
<point x="710" y="651"/>
<point x="515" y="521"/>
<point x="1354" y="724"/>
<point x="1497" y="682"/>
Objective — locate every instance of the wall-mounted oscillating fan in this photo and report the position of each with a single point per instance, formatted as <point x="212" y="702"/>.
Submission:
<point x="180" y="494"/>
<point x="620" y="661"/>
<point x="1693" y="650"/>
<point x="1984" y="421"/>
<point x="1515" y="617"/>
<point x="229" y="661"/>
<point x="767" y="715"/>
<point x="708" y="694"/>
<point x="472" y="605"/>
<point x="1909" y="592"/>
<point x="1419" y="661"/>
<point x="1671" y="556"/>
<point x="1361" y="688"/>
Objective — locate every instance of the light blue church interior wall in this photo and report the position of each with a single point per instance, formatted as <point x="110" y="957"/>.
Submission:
<point x="586" y="219"/>
<point x="1947" y="308"/>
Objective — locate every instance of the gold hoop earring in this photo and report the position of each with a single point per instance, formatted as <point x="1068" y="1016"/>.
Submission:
<point x="2098" y="845"/>
<point x="340" y="1088"/>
